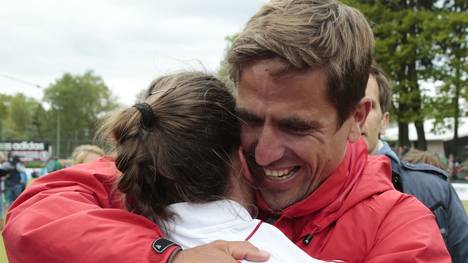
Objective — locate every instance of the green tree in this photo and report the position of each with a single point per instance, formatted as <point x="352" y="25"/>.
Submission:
<point x="409" y="36"/>
<point x="41" y="124"/>
<point x="223" y="70"/>
<point x="452" y="44"/>
<point x="77" y="103"/>
<point x="4" y="106"/>
<point x="17" y="116"/>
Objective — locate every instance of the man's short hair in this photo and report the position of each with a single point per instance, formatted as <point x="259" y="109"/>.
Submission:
<point x="385" y="93"/>
<point x="311" y="34"/>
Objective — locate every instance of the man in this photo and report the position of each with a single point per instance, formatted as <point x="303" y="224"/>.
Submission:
<point x="3" y="172"/>
<point x="428" y="183"/>
<point x="301" y="69"/>
<point x="15" y="181"/>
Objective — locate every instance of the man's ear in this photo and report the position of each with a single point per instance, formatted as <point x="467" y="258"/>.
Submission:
<point x="358" y="118"/>
<point x="384" y="122"/>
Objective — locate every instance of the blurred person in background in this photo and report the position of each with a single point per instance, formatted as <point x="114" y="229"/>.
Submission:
<point x="53" y="165"/>
<point x="14" y="181"/>
<point x="428" y="183"/>
<point x="416" y="156"/>
<point x="86" y="153"/>
<point x="3" y="173"/>
<point x="24" y="176"/>
<point x="464" y="170"/>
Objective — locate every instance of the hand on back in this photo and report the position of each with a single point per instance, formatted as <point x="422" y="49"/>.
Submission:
<point x="222" y="251"/>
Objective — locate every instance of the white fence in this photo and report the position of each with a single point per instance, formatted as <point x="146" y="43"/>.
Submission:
<point x="462" y="190"/>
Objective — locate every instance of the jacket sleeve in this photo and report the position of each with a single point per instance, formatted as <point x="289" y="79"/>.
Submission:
<point x="408" y="233"/>
<point x="74" y="216"/>
<point x="430" y="186"/>
<point x="457" y="232"/>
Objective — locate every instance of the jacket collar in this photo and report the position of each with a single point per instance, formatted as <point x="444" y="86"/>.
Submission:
<point x="387" y="151"/>
<point x="208" y="215"/>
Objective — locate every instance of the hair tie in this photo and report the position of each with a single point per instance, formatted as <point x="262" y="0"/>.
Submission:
<point x="148" y="117"/>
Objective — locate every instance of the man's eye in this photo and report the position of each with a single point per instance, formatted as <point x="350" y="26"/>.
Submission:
<point x="297" y="129"/>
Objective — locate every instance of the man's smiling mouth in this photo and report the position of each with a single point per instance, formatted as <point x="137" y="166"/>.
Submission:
<point x="280" y="174"/>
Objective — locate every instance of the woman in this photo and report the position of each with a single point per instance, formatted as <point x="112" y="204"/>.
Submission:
<point x="86" y="153"/>
<point x="177" y="152"/>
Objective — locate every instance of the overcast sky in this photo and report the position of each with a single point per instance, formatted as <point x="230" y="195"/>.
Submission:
<point x="127" y="43"/>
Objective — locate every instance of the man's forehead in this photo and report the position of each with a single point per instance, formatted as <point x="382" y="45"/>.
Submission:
<point x="250" y="114"/>
<point x="292" y="85"/>
<point x="274" y="66"/>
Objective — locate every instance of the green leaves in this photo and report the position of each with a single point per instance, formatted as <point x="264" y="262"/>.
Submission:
<point x="422" y="42"/>
<point x="17" y="117"/>
<point x="69" y="114"/>
<point x="223" y="71"/>
<point x="77" y="103"/>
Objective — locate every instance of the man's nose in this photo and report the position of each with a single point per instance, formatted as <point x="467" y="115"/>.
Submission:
<point x="269" y="147"/>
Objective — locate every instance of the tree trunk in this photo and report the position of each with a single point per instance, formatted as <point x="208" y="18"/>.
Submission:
<point x="416" y="103"/>
<point x="403" y="135"/>
<point x="456" y="112"/>
<point x="421" y="144"/>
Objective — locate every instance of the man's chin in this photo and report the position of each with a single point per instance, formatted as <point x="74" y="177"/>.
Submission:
<point x="278" y="202"/>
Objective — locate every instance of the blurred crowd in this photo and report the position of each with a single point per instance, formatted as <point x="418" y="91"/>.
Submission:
<point x="14" y="176"/>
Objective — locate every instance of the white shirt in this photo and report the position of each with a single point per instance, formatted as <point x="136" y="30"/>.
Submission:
<point x="198" y="224"/>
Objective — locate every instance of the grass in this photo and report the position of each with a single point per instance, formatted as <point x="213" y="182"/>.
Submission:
<point x="465" y="204"/>
<point x="3" y="257"/>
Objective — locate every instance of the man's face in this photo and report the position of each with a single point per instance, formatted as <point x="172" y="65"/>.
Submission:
<point x="290" y="136"/>
<point x="376" y="120"/>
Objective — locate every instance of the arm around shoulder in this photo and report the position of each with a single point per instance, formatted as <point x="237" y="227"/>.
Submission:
<point x="74" y="216"/>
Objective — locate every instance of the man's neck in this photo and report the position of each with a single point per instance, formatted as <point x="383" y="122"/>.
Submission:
<point x="378" y="147"/>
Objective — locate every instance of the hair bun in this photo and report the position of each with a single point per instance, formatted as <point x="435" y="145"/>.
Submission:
<point x="148" y="117"/>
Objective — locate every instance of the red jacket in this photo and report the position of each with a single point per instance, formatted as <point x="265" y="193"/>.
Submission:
<point x="357" y="216"/>
<point x="74" y="216"/>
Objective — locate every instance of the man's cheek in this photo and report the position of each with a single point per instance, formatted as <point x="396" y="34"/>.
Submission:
<point x="247" y="139"/>
<point x="245" y="166"/>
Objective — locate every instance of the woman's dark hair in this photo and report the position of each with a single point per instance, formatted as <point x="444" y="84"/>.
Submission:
<point x="185" y="155"/>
